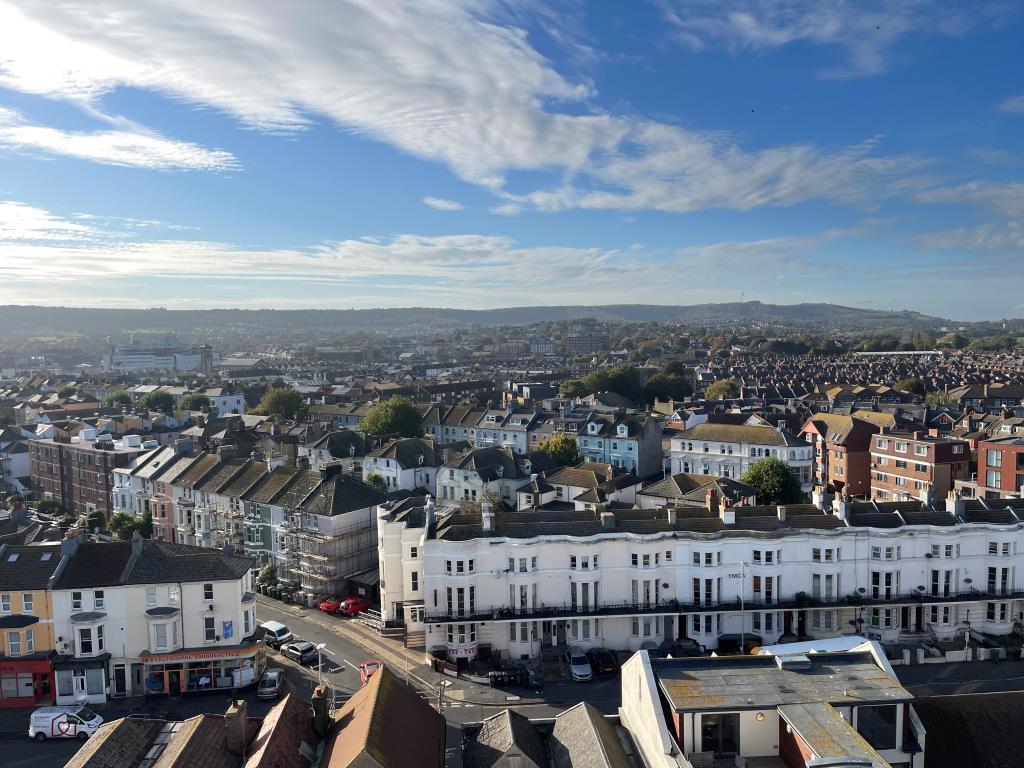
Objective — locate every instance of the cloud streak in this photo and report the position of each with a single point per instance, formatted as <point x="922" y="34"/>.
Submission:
<point x="450" y="81"/>
<point x="114" y="147"/>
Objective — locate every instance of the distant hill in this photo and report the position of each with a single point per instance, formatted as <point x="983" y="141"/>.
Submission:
<point x="24" y="321"/>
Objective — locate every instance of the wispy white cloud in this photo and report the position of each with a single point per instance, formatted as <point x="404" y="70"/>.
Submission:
<point x="453" y="81"/>
<point x="441" y="204"/>
<point x="864" y="30"/>
<point x="1014" y="104"/>
<point x="25" y="222"/>
<point x="116" y="147"/>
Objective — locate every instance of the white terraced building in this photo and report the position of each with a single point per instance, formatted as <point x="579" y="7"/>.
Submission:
<point x="622" y="579"/>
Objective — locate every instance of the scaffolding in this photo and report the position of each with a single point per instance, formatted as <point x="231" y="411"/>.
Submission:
<point x="317" y="561"/>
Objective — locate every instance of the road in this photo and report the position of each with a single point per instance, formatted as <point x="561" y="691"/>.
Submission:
<point x="463" y="702"/>
<point x="974" y="677"/>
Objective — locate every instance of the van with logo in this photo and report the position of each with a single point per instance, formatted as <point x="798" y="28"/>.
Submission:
<point x="63" y="723"/>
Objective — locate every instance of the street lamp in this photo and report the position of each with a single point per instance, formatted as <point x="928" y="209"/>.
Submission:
<point x="742" y="576"/>
<point x="320" y="648"/>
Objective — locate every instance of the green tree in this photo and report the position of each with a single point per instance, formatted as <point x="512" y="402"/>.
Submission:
<point x="267" y="575"/>
<point x="723" y="389"/>
<point x="562" y="447"/>
<point x="992" y="343"/>
<point x="65" y="392"/>
<point x="50" y="507"/>
<point x="194" y="402"/>
<point x="158" y="400"/>
<point x="572" y="388"/>
<point x="144" y="526"/>
<point x="940" y="398"/>
<point x="774" y="481"/>
<point x="953" y="340"/>
<point x="668" y="383"/>
<point x="283" y="402"/>
<point x="118" y="398"/>
<point x="910" y="384"/>
<point x="121" y="526"/>
<point x="374" y="480"/>
<point x="95" y="521"/>
<point x="394" y="416"/>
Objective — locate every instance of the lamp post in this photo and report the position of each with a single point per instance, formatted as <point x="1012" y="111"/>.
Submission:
<point x="320" y="647"/>
<point x="742" y="576"/>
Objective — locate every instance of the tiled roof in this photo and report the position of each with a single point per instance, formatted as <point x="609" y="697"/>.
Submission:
<point x="740" y="433"/>
<point x="500" y="733"/>
<point x="583" y="738"/>
<point x="117" y="744"/>
<point x="31" y="569"/>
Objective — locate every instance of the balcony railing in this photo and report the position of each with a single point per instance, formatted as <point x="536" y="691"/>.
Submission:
<point x="673" y="607"/>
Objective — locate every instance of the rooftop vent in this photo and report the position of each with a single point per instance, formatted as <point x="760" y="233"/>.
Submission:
<point x="793" y="662"/>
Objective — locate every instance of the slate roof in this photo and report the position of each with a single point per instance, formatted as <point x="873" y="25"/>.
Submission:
<point x="740" y="433"/>
<point x="117" y="744"/>
<point x="285" y="726"/>
<point x="500" y="733"/>
<point x="583" y="738"/>
<point x="695" y="487"/>
<point x="407" y="451"/>
<point x="29" y="570"/>
<point x="97" y="564"/>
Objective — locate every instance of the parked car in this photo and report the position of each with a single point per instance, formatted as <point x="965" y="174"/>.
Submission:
<point x="270" y="684"/>
<point x="275" y="634"/>
<point x="63" y="723"/>
<point x="367" y="668"/>
<point x="602" y="662"/>
<point x="352" y="606"/>
<point x="303" y="651"/>
<point x="579" y="666"/>
<point x="330" y="604"/>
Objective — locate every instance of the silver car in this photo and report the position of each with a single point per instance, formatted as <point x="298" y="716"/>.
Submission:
<point x="270" y="684"/>
<point x="579" y="665"/>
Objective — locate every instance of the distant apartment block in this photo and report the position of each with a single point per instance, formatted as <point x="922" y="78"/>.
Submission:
<point x="914" y="465"/>
<point x="585" y="343"/>
<point x="1001" y="465"/>
<point x="136" y="357"/>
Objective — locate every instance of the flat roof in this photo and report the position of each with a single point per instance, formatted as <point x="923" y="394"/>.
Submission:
<point x="828" y="734"/>
<point x="758" y="682"/>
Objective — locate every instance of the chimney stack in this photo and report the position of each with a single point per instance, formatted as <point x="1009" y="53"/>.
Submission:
<point x="487" y="517"/>
<point x="955" y="504"/>
<point x="235" y="727"/>
<point x="137" y="543"/>
<point x="781" y="511"/>
<point x="727" y="514"/>
<point x="607" y="518"/>
<point x="672" y="515"/>
<point x="321" y="709"/>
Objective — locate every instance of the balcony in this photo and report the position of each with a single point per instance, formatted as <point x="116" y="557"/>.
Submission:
<point x="674" y="607"/>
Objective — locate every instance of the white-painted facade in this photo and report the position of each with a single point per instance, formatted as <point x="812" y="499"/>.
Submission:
<point x="622" y="590"/>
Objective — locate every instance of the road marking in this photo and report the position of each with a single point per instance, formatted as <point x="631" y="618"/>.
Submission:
<point x="351" y="664"/>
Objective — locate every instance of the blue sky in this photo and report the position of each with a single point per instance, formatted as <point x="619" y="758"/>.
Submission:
<point x="322" y="153"/>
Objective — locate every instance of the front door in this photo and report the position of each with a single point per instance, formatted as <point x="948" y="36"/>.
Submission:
<point x="919" y="618"/>
<point x="720" y="733"/>
<point x="905" y="617"/>
<point x="120" y="680"/>
<point x="560" y="633"/>
<point x="79" y="683"/>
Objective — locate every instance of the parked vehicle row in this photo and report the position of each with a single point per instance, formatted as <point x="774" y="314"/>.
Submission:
<point x="344" y="606"/>
<point x="585" y="665"/>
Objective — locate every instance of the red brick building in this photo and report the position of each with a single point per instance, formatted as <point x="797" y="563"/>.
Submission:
<point x="842" y="452"/>
<point x="916" y="465"/>
<point x="1001" y="465"/>
<point x="78" y="471"/>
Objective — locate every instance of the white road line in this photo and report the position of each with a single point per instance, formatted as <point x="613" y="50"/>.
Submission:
<point x="351" y="664"/>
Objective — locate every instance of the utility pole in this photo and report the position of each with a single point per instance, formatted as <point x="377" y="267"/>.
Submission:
<point x="742" y="576"/>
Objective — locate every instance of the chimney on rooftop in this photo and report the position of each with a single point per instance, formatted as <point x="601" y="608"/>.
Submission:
<point x="955" y="504"/>
<point x="137" y="543"/>
<point x="673" y="514"/>
<point x="487" y="517"/>
<point x="69" y="544"/>
<point x="321" y="710"/>
<point x="781" y="512"/>
<point x="235" y="727"/>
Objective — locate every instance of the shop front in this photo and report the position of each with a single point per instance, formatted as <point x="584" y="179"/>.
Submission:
<point x="202" y="669"/>
<point x="27" y="681"/>
<point x="81" y="680"/>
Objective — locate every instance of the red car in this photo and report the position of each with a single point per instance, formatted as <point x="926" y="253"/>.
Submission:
<point x="367" y="668"/>
<point x="331" y="604"/>
<point x="351" y="606"/>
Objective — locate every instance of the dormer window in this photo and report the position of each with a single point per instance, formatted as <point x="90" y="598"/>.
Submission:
<point x="623" y="430"/>
<point x="592" y="428"/>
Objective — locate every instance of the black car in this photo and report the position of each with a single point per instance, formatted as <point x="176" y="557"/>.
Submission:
<point x="302" y="651"/>
<point x="603" y="662"/>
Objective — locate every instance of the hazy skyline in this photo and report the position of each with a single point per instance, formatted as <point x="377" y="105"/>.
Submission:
<point x="468" y="154"/>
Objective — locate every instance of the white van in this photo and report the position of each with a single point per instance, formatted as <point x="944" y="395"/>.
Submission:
<point x="63" y="723"/>
<point x="275" y="634"/>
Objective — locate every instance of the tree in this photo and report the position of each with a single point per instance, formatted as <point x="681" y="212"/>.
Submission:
<point x="374" y="480"/>
<point x="121" y="526"/>
<point x="940" y="398"/>
<point x="774" y="481"/>
<point x="562" y="448"/>
<point x="910" y="384"/>
<point x="992" y="343"/>
<point x="267" y="575"/>
<point x="283" y="402"/>
<point x="394" y="416"/>
<point x="158" y="400"/>
<point x="65" y="392"/>
<point x="953" y="340"/>
<point x="118" y="398"/>
<point x="194" y="402"/>
<point x="95" y="521"/>
<point x="723" y="389"/>
<point x="668" y="385"/>
<point x="50" y="507"/>
<point x="144" y="526"/>
<point x="572" y="388"/>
